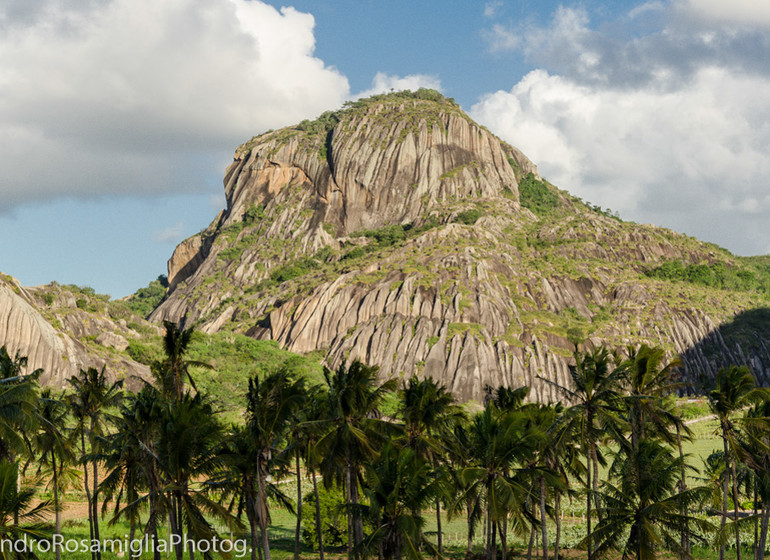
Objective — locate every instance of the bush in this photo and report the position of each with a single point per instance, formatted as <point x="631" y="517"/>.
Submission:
<point x="145" y="300"/>
<point x="333" y="519"/>
<point x="467" y="217"/>
<point x="712" y="275"/>
<point x="386" y="236"/>
<point x="536" y="196"/>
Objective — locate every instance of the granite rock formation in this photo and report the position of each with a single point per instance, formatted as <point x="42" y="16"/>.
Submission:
<point x="400" y="232"/>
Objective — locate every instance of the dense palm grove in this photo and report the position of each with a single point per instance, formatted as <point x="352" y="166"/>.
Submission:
<point x="160" y="461"/>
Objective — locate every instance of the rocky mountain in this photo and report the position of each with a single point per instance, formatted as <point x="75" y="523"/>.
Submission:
<point x="398" y="231"/>
<point x="63" y="329"/>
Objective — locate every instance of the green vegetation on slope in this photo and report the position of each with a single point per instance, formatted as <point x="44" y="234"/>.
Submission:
<point x="144" y="300"/>
<point x="235" y="358"/>
<point x="537" y="196"/>
<point x="747" y="275"/>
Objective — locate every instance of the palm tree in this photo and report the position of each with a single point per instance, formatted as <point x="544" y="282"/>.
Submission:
<point x="561" y="455"/>
<point x="141" y="419"/>
<point x="237" y="481"/>
<point x="90" y="402"/>
<point x="429" y="413"/>
<point x="18" y="403"/>
<point x="466" y="495"/>
<point x="173" y="372"/>
<point x="304" y="433"/>
<point x="188" y="449"/>
<point x="354" y="432"/>
<point x="20" y="520"/>
<point x="734" y="389"/>
<point x="398" y="485"/>
<point x="643" y="511"/>
<point x="594" y="412"/>
<point x="503" y="445"/>
<point x="127" y="463"/>
<point x="556" y="457"/>
<point x="648" y="379"/>
<point x="754" y="450"/>
<point x="54" y="446"/>
<point x="272" y="405"/>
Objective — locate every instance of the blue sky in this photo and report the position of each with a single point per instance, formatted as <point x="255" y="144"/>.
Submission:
<point x="118" y="117"/>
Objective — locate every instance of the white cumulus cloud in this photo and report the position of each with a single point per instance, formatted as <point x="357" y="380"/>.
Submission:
<point x="138" y="96"/>
<point x="743" y="12"/>
<point x="667" y="125"/>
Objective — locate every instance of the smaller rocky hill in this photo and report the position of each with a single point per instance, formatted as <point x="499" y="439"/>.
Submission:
<point x="63" y="329"/>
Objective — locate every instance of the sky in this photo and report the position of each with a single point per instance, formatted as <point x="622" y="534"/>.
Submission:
<point x="119" y="117"/>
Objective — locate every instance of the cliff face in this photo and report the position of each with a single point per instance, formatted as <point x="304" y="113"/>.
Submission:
<point x="400" y="232"/>
<point x="46" y="325"/>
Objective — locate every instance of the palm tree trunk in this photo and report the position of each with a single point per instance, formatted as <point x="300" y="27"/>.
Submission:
<point x="469" y="511"/>
<point x="173" y="521"/>
<point x="557" y="540"/>
<point x="56" y="501"/>
<point x="88" y="493"/>
<point x="439" y="536"/>
<point x="262" y="511"/>
<point x="319" y="529"/>
<point x="504" y="537"/>
<point x="596" y="482"/>
<point x="95" y="506"/>
<point x="191" y="550"/>
<point x="756" y="519"/>
<point x="299" y="509"/>
<point x="543" y="523"/>
<point x="152" y="522"/>
<point x="131" y="535"/>
<point x="179" y="527"/>
<point x="358" y="523"/>
<point x="348" y="502"/>
<point x="488" y="534"/>
<point x="736" y="505"/>
<point x="251" y="516"/>
<point x="485" y="539"/>
<point x="763" y="530"/>
<point x="532" y="532"/>
<point x="724" y="492"/>
<point x="682" y="487"/>
<point x="588" y="507"/>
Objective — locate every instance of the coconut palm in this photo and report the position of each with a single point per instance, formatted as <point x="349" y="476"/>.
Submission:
<point x="237" y="481"/>
<point x="92" y="398"/>
<point x="466" y="497"/>
<point x="353" y="433"/>
<point x="594" y="396"/>
<point x="52" y="442"/>
<point x="272" y="405"/>
<point x="754" y="451"/>
<point x="173" y="372"/>
<point x="648" y="378"/>
<point x="398" y="485"/>
<point x="20" y="520"/>
<point x="304" y="433"/>
<point x="502" y="447"/>
<point x="734" y="388"/>
<point x="643" y="510"/>
<point x="127" y="464"/>
<point x="18" y="403"/>
<point x="188" y="449"/>
<point x="429" y="413"/>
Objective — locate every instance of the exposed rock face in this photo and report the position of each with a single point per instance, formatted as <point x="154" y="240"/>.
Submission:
<point x="474" y="289"/>
<point x="58" y="350"/>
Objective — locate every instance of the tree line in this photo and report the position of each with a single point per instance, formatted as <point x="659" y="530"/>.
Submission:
<point x="162" y="462"/>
